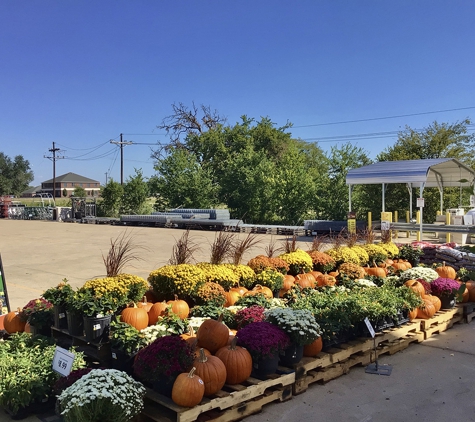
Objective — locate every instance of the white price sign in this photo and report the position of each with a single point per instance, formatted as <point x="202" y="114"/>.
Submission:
<point x="370" y="327"/>
<point x="63" y="361"/>
<point x="420" y="202"/>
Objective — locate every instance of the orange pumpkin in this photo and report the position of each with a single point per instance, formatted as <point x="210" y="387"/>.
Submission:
<point x="258" y="289"/>
<point x="188" y="389"/>
<point x="212" y="371"/>
<point x="231" y="298"/>
<point x="316" y="273"/>
<point x="471" y="290"/>
<point x="157" y="310"/>
<point x="239" y="289"/>
<point x="376" y="271"/>
<point x="416" y="286"/>
<point x="314" y="348"/>
<point x="436" y="302"/>
<point x="306" y="280"/>
<point x="212" y="334"/>
<point x="13" y="323"/>
<point x="446" y="271"/>
<point x="326" y="280"/>
<point x="238" y="362"/>
<point x="136" y="317"/>
<point x="145" y="304"/>
<point x="179" y="307"/>
<point x="412" y="314"/>
<point x="427" y="310"/>
<point x="289" y="282"/>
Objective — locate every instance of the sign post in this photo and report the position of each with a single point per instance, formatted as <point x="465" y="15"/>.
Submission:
<point x="376" y="368"/>
<point x="4" y="302"/>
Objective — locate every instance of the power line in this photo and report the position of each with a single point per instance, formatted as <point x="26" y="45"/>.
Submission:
<point x="384" y="118"/>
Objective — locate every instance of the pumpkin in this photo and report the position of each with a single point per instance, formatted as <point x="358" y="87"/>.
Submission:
<point x="471" y="290"/>
<point x="213" y="335"/>
<point x="446" y="271"/>
<point x="314" y="348"/>
<point x="239" y="289"/>
<point x="401" y="264"/>
<point x="289" y="282"/>
<point x="427" y="310"/>
<point x="238" y="362"/>
<point x="412" y="314"/>
<point x="315" y="273"/>
<point x="13" y="323"/>
<point x="188" y="389"/>
<point x="145" y="304"/>
<point x="334" y="273"/>
<point x="212" y="371"/>
<point x="436" y="301"/>
<point x="376" y="271"/>
<point x="179" y="307"/>
<point x="326" y="280"/>
<point x="190" y="335"/>
<point x="416" y="286"/>
<point x="136" y="317"/>
<point x="157" y="310"/>
<point x="264" y="290"/>
<point x="305" y="280"/>
<point x="231" y="298"/>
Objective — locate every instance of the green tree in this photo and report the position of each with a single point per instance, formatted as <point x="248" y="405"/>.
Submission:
<point x="15" y="176"/>
<point x="79" y="192"/>
<point x="65" y="192"/>
<point x="111" y="195"/>
<point x="435" y="141"/>
<point x="136" y="193"/>
<point x="181" y="181"/>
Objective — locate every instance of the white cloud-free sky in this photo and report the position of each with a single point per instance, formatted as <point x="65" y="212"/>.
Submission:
<point x="79" y="73"/>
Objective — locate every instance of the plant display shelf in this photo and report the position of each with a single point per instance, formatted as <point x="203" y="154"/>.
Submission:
<point x="231" y="403"/>
<point x="441" y="321"/>
<point x="97" y="352"/>
<point x="468" y="311"/>
<point x="338" y="360"/>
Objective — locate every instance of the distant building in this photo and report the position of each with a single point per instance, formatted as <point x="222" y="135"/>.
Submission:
<point x="30" y="192"/>
<point x="69" y="182"/>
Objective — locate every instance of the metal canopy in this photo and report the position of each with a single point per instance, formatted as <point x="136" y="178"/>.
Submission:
<point x="436" y="172"/>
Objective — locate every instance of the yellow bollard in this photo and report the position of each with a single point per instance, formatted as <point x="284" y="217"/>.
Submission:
<point x="370" y="221"/>
<point x="418" y="221"/>
<point x="447" y="222"/>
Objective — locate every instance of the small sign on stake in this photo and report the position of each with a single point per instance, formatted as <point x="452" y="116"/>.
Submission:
<point x="375" y="368"/>
<point x="63" y="361"/>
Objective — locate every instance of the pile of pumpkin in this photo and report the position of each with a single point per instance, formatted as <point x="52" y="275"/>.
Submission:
<point x="432" y="304"/>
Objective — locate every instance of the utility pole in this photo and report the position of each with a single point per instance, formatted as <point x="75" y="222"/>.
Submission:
<point x="54" y="158"/>
<point x="106" y="177"/>
<point x="121" y="143"/>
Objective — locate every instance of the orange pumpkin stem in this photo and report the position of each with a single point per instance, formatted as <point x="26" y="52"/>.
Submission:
<point x="191" y="374"/>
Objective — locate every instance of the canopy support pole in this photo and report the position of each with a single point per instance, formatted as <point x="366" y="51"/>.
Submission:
<point x="383" y="198"/>
<point x="421" y="190"/>
<point x="350" y="190"/>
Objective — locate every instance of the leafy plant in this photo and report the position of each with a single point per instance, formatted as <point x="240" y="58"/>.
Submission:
<point x="60" y="294"/>
<point x="246" y="316"/>
<point x="91" y="305"/>
<point x="411" y="253"/>
<point x="38" y="313"/>
<point x="255" y="299"/>
<point x="126" y="338"/>
<point x="270" y="278"/>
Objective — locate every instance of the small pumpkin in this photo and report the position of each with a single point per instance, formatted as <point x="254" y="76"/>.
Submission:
<point x="436" y="302"/>
<point x="289" y="282"/>
<point x="212" y="371"/>
<point x="326" y="280"/>
<point x="445" y="271"/>
<point x="188" y="389"/>
<point x="416" y="286"/>
<point x="264" y="290"/>
<point x="13" y="323"/>
<point x="135" y="316"/>
<point x="238" y="362"/>
<point x="412" y="314"/>
<point x="471" y="290"/>
<point x="314" y="348"/>
<point x="376" y="271"/>
<point x="179" y="307"/>
<point x="239" y="289"/>
<point x="213" y="334"/>
<point x="427" y="310"/>
<point x="157" y="310"/>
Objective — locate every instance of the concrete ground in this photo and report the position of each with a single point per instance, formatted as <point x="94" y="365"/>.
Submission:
<point x="431" y="381"/>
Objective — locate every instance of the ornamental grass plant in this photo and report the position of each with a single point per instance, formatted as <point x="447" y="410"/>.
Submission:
<point x="102" y="395"/>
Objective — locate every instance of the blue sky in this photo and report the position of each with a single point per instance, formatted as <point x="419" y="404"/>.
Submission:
<point x="79" y="73"/>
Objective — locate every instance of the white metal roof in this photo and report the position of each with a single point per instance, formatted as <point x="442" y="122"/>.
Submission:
<point x="434" y="172"/>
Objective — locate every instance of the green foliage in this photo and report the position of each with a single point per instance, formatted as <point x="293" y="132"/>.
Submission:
<point x="126" y="338"/>
<point x="136" y="193"/>
<point x="26" y="373"/>
<point x="111" y="198"/>
<point x="15" y="176"/>
<point x="79" y="192"/>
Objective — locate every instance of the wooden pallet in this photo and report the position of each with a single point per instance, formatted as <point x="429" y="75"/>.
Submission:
<point x="468" y="311"/>
<point x="337" y="361"/>
<point x="232" y="403"/>
<point x="441" y="317"/>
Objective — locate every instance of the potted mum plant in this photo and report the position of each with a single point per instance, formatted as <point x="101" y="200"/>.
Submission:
<point x="59" y="296"/>
<point x="264" y="341"/>
<point x="38" y="313"/>
<point x="301" y="327"/>
<point x="162" y="361"/>
<point x="446" y="290"/>
<point x="102" y="395"/>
